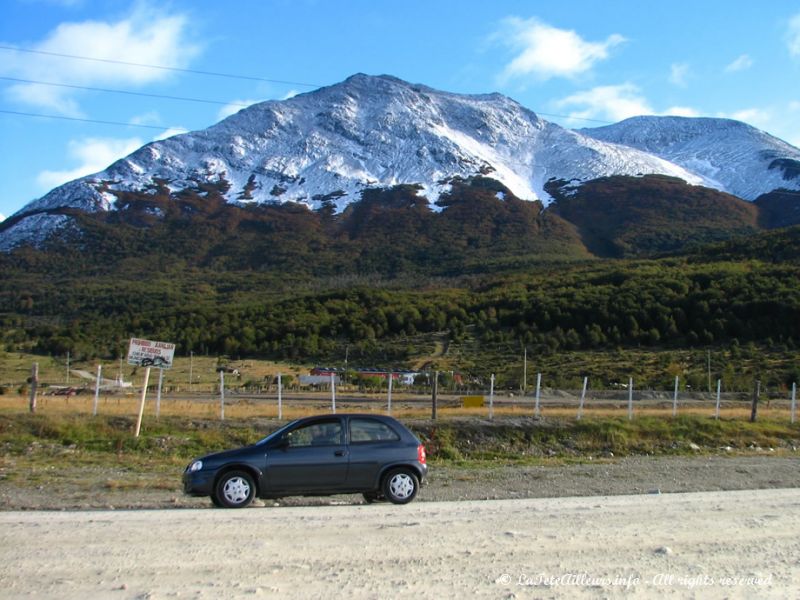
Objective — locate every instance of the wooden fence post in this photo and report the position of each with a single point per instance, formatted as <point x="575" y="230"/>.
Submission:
<point x="754" y="409"/>
<point x="389" y="396"/>
<point x="630" y="398"/>
<point x="141" y="402"/>
<point x="34" y="386"/>
<point x="280" y="397"/>
<point x="333" y="393"/>
<point x="583" y="397"/>
<point x="222" y="395"/>
<point x="491" y="397"/>
<point x="434" y="394"/>
<point x="675" y="398"/>
<point x="97" y="389"/>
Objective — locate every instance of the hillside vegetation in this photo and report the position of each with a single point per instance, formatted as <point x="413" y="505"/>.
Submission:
<point x="623" y="264"/>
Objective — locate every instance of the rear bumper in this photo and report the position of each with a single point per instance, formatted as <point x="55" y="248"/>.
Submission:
<point x="423" y="472"/>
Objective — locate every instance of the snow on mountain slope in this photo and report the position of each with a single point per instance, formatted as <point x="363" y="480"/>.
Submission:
<point x="732" y="156"/>
<point x="368" y="131"/>
<point x="365" y="131"/>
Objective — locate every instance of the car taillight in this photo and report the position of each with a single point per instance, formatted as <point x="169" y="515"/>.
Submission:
<point x="421" y="454"/>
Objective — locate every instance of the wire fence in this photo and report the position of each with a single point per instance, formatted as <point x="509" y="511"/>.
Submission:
<point x="623" y="401"/>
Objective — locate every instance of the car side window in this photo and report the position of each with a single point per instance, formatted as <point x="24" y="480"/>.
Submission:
<point x="321" y="433"/>
<point x="371" y="430"/>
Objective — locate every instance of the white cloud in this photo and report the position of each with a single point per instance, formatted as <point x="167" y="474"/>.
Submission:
<point x="290" y="94"/>
<point x="742" y="63"/>
<point x="678" y="74"/>
<point x="681" y="111"/>
<point x="2" y="217"/>
<point x="146" y="36"/>
<point x="758" y="117"/>
<point x="151" y="117"/>
<point x="94" y="154"/>
<point x="543" y="51"/>
<point x="233" y="107"/>
<point x="611" y="102"/>
<point x="170" y="132"/>
<point x="793" y="36"/>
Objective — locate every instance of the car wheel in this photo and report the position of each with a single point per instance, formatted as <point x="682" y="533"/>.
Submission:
<point x="235" y="489"/>
<point x="400" y="486"/>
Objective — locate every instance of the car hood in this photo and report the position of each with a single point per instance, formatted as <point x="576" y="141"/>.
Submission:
<point x="227" y="454"/>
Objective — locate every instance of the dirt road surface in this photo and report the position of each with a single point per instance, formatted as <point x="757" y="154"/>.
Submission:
<point x="739" y="544"/>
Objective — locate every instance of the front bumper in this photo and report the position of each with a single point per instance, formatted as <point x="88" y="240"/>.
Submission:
<point x="198" y="483"/>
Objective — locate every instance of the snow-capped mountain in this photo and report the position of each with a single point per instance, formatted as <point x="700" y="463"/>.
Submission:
<point x="730" y="155"/>
<point x="332" y="143"/>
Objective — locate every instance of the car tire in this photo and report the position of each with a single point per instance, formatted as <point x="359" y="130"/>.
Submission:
<point x="400" y="486"/>
<point x="235" y="489"/>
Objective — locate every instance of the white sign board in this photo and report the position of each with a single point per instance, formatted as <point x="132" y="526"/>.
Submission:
<point x="145" y="353"/>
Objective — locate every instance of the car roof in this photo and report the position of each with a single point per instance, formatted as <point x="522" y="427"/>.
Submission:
<point x="349" y="416"/>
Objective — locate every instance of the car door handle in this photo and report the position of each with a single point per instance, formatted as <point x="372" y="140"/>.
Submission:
<point x="339" y="453"/>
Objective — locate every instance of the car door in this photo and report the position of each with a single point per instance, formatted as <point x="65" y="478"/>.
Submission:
<point x="311" y="457"/>
<point x="373" y="443"/>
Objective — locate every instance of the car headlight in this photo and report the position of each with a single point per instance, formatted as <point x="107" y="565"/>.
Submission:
<point x="195" y="466"/>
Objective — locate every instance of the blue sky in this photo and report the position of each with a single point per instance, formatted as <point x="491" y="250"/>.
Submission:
<point x="576" y="62"/>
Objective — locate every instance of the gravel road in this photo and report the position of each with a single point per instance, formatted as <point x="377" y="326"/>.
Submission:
<point x="741" y="544"/>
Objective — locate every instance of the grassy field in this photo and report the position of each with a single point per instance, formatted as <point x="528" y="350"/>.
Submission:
<point x="15" y="371"/>
<point x="185" y="427"/>
<point x="655" y="369"/>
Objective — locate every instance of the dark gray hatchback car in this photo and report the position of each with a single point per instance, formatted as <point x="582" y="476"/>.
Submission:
<point x="316" y="456"/>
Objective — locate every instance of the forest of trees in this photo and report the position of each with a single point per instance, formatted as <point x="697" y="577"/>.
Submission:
<point x="383" y="277"/>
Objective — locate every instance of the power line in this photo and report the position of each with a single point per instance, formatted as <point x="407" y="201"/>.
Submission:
<point x="159" y="67"/>
<point x="126" y="92"/>
<point x="63" y="118"/>
<point x="196" y="72"/>
<point x="207" y="101"/>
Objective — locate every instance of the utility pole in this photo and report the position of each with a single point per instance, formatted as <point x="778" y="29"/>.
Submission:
<point x="67" y="367"/>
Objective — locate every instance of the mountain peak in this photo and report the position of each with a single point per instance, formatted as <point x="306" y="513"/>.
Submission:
<point x="376" y="131"/>
<point x="729" y="155"/>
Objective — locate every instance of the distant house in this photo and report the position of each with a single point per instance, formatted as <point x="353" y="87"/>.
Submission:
<point x="404" y="377"/>
<point x="318" y="380"/>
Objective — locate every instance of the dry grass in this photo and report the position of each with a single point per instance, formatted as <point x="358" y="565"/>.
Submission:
<point x="208" y="407"/>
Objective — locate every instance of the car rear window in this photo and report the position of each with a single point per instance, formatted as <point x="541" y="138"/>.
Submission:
<point x="370" y="430"/>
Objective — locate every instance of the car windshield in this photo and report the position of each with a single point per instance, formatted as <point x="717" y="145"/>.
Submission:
<point x="275" y="434"/>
